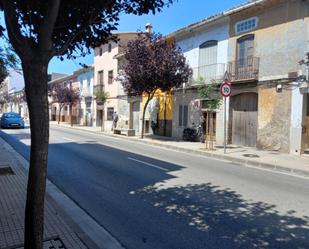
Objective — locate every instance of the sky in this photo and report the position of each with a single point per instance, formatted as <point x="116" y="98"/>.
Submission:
<point x="180" y="14"/>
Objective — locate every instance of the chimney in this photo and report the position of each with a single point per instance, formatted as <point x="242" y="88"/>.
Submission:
<point x="148" y="27"/>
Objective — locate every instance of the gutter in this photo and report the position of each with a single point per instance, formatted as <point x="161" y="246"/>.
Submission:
<point x="214" y="18"/>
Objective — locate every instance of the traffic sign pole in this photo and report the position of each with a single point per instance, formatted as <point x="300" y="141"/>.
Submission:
<point x="225" y="90"/>
<point x="224" y="125"/>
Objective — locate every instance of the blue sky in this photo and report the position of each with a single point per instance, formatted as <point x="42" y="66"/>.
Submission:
<point x="180" y="14"/>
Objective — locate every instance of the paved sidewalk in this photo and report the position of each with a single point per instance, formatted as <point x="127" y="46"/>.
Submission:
<point x="272" y="160"/>
<point x="13" y="182"/>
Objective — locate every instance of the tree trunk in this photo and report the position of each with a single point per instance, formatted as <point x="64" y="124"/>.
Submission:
<point x="143" y="118"/>
<point x="35" y="73"/>
<point x="102" y="121"/>
<point x="70" y="106"/>
<point x="59" y="114"/>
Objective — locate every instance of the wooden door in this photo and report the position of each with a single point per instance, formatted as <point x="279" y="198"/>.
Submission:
<point x="244" y="119"/>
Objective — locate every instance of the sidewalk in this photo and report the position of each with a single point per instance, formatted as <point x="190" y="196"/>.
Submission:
<point x="272" y="160"/>
<point x="13" y="181"/>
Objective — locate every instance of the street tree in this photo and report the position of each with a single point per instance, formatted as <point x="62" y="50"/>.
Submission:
<point x="38" y="31"/>
<point x="8" y="61"/>
<point x="65" y="96"/>
<point x="208" y="90"/>
<point x="152" y="63"/>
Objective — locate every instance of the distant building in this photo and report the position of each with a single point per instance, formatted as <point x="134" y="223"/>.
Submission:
<point x="107" y="61"/>
<point x="85" y="85"/>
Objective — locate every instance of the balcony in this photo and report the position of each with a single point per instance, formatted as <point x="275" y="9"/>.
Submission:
<point x="98" y="88"/>
<point x="246" y="69"/>
<point x="213" y="72"/>
<point x="85" y="92"/>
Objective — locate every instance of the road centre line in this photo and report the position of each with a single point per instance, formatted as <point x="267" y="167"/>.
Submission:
<point x="148" y="164"/>
<point x="69" y="139"/>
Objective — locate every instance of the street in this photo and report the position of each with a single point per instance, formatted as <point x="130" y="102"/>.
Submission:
<point x="153" y="198"/>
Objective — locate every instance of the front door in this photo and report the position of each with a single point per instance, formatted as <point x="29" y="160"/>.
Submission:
<point x="244" y="119"/>
<point x="135" y="115"/>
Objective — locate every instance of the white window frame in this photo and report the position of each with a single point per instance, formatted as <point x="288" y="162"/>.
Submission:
<point x="247" y="25"/>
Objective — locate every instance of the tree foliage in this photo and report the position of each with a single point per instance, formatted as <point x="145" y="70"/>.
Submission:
<point x="209" y="91"/>
<point x="39" y="30"/>
<point x="152" y="63"/>
<point x="65" y="95"/>
<point x="67" y="27"/>
<point x="8" y="61"/>
<point x="101" y="97"/>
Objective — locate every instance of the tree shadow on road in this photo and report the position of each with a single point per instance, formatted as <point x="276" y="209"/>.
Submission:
<point x="229" y="221"/>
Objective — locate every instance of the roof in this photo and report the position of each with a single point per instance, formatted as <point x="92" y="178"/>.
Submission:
<point x="216" y="17"/>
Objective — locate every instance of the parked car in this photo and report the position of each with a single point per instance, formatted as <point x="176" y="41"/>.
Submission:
<point x="12" y="120"/>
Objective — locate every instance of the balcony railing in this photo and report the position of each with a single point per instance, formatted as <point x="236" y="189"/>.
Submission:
<point x="85" y="92"/>
<point x="213" y="72"/>
<point x="98" y="88"/>
<point x="244" y="69"/>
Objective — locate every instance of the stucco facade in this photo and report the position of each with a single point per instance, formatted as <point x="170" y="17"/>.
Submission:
<point x="190" y="40"/>
<point x="278" y="44"/>
<point x="85" y="85"/>
<point x="106" y="64"/>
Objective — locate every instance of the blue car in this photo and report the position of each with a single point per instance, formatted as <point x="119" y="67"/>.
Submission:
<point x="12" y="120"/>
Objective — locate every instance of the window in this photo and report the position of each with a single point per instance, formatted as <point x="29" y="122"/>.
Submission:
<point x="110" y="112"/>
<point x="183" y="115"/>
<point x="246" y="25"/>
<point x="208" y="60"/>
<point x="88" y="107"/>
<point x="245" y="50"/>
<point x="109" y="47"/>
<point x="110" y="77"/>
<point x="100" y="77"/>
<point x="100" y="51"/>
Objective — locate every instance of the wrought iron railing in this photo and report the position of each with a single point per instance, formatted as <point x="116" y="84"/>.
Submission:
<point x="244" y="69"/>
<point x="213" y="72"/>
<point x="98" y="88"/>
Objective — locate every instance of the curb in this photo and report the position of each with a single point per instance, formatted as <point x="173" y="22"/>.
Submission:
<point x="87" y="229"/>
<point x="239" y="161"/>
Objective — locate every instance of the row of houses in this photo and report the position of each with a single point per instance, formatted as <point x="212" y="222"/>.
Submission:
<point x="259" y="44"/>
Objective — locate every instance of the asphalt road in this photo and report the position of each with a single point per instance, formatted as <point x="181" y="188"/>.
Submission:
<point x="153" y="198"/>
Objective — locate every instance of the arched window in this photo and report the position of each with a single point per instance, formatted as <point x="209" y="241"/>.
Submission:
<point x="208" y="59"/>
<point x="208" y="53"/>
<point x="245" y="48"/>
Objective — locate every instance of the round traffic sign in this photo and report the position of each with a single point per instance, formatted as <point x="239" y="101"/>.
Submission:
<point x="226" y="89"/>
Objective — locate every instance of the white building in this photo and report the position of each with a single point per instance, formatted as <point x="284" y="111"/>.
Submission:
<point x="205" y="45"/>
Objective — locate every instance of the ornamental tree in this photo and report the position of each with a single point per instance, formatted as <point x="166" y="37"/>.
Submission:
<point x="38" y="31"/>
<point x="65" y="95"/>
<point x="8" y="61"/>
<point x="152" y="63"/>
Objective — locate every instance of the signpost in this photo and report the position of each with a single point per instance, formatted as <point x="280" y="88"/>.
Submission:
<point x="226" y="91"/>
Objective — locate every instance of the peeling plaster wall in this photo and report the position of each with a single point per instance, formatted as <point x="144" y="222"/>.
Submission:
<point x="274" y="115"/>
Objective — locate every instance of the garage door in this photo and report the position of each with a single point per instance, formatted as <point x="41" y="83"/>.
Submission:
<point x="244" y="119"/>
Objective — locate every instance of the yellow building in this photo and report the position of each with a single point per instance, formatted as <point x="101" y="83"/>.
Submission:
<point x="159" y="114"/>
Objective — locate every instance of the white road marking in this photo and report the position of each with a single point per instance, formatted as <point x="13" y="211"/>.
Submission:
<point x="148" y="164"/>
<point x="69" y="139"/>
